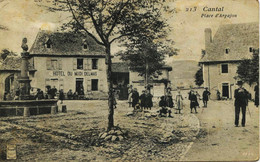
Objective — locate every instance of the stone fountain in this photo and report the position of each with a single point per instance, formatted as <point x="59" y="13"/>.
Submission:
<point x="27" y="105"/>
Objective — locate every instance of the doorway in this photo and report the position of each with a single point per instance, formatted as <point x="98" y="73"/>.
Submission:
<point x="79" y="86"/>
<point x="225" y="90"/>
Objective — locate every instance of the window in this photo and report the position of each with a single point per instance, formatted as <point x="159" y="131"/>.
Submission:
<point x="54" y="64"/>
<point x="79" y="63"/>
<point x="250" y="49"/>
<point x="94" y="63"/>
<point x="94" y="84"/>
<point x="224" y="68"/>
<point x="85" y="46"/>
<point x="227" y="50"/>
<point x="48" y="43"/>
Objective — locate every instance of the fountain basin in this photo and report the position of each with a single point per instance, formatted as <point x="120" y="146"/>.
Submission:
<point x="29" y="107"/>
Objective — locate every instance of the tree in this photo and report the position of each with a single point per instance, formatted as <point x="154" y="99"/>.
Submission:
<point x="248" y="69"/>
<point x="107" y="21"/>
<point x="199" y="77"/>
<point x="5" y="52"/>
<point x="146" y="58"/>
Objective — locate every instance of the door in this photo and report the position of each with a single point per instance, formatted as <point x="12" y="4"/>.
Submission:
<point x="225" y="90"/>
<point x="79" y="86"/>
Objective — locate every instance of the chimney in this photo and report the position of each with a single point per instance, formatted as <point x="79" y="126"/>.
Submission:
<point x="208" y="37"/>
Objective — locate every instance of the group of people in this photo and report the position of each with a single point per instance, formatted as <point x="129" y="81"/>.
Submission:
<point x="194" y="96"/>
<point x="144" y="101"/>
<point x="75" y="95"/>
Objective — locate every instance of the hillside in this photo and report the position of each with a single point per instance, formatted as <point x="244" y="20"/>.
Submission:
<point x="183" y="72"/>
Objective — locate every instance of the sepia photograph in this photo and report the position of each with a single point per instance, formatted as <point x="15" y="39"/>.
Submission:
<point x="129" y="80"/>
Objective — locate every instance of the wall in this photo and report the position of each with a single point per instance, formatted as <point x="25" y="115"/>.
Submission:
<point x="213" y="79"/>
<point x="67" y="73"/>
<point x="158" y="88"/>
<point x="3" y="76"/>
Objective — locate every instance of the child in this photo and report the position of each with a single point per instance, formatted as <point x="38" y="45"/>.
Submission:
<point x="193" y="101"/>
<point x="164" y="110"/>
<point x="143" y="100"/>
<point x="179" y="102"/>
<point x="149" y="100"/>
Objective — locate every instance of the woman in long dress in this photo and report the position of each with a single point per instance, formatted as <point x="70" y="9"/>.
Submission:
<point x="179" y="102"/>
<point x="130" y="92"/>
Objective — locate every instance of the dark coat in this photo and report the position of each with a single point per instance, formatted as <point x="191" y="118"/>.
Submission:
<point x="162" y="103"/>
<point x="205" y="95"/>
<point x="193" y="101"/>
<point x="143" y="100"/>
<point x="149" y="100"/>
<point x="61" y="95"/>
<point x="241" y="97"/>
<point x="135" y="97"/>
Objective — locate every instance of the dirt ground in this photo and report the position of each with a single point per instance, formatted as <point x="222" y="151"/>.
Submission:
<point x="223" y="141"/>
<point x="74" y="136"/>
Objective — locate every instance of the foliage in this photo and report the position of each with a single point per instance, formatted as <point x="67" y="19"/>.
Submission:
<point x="248" y="69"/>
<point x="5" y="52"/>
<point x="138" y="55"/>
<point x="199" y="77"/>
<point x="107" y="21"/>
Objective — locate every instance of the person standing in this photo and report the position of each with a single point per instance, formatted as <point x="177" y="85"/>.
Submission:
<point x="61" y="96"/>
<point x="179" y="102"/>
<point x="135" y="97"/>
<point x="53" y="92"/>
<point x="218" y="95"/>
<point x="70" y="94"/>
<point x="241" y="101"/>
<point x="143" y="100"/>
<point x="198" y="98"/>
<point x="205" y="96"/>
<point x="193" y="101"/>
<point x="256" y="95"/>
<point x="149" y="100"/>
<point x="169" y="98"/>
<point x="130" y="92"/>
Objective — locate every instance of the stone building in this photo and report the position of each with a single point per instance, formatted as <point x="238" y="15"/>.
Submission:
<point x="122" y="76"/>
<point x="69" y="61"/>
<point x="230" y="44"/>
<point x="9" y="74"/>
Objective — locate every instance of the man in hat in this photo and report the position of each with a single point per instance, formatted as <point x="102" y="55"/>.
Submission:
<point x="205" y="96"/>
<point x="241" y="101"/>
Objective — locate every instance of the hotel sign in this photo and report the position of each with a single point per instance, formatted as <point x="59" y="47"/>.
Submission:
<point x="73" y="73"/>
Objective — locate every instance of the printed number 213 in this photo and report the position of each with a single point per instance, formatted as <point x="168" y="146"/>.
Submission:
<point x="191" y="9"/>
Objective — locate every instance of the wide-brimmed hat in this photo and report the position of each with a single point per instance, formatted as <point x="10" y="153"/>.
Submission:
<point x="239" y="82"/>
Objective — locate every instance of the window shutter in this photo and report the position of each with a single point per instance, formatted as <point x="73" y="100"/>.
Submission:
<point x="74" y="63"/>
<point x="85" y="63"/>
<point x="48" y="63"/>
<point x="89" y="64"/>
<point x="88" y="85"/>
<point x="60" y="63"/>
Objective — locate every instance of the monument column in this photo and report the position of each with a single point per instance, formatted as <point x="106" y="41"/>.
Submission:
<point x="24" y="81"/>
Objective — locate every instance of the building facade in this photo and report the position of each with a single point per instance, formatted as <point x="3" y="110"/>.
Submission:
<point x="70" y="62"/>
<point x="9" y="75"/>
<point x="223" y="52"/>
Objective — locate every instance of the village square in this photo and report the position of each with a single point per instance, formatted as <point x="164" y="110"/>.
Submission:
<point x="112" y="85"/>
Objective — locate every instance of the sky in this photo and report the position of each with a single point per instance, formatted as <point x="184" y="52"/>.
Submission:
<point x="24" y="18"/>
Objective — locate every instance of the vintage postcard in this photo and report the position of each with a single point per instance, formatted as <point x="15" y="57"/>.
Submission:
<point x="129" y="80"/>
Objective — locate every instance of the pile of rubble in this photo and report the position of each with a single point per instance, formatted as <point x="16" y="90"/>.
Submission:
<point x="115" y="134"/>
